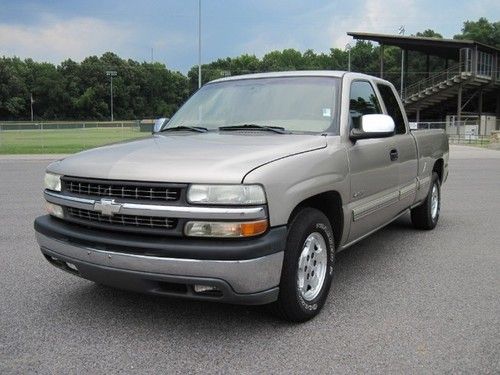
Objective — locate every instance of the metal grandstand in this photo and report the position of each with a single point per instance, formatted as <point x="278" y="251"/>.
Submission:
<point x="469" y="81"/>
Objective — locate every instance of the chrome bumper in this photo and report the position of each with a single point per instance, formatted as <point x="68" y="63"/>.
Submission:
<point x="243" y="276"/>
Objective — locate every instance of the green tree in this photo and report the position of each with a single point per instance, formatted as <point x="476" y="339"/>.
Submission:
<point x="429" y="34"/>
<point x="80" y="90"/>
<point x="481" y="31"/>
<point x="14" y="93"/>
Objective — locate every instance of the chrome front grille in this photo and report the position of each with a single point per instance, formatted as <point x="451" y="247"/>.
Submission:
<point x="122" y="189"/>
<point x="93" y="217"/>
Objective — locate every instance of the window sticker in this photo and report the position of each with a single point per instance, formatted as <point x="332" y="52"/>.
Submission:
<point x="327" y="112"/>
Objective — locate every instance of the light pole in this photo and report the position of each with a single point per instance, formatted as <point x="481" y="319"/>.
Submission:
<point x="402" y="32"/>
<point x="348" y="49"/>
<point x="111" y="74"/>
<point x="199" y="43"/>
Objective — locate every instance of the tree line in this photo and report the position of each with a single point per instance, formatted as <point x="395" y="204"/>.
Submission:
<point x="76" y="91"/>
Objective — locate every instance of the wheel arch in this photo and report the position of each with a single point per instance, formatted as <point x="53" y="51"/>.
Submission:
<point x="330" y="204"/>
<point x="439" y="169"/>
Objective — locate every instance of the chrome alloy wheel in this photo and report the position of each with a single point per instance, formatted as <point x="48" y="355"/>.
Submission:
<point x="434" y="201"/>
<point x="312" y="266"/>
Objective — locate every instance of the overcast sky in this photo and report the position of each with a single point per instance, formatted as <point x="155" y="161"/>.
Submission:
<point x="57" y="30"/>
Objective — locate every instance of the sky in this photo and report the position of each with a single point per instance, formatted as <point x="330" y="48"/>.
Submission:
<point x="57" y="30"/>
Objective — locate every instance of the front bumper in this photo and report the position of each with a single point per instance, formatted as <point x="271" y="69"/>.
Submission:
<point x="98" y="256"/>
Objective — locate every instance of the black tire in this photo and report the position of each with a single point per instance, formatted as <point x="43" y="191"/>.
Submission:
<point x="291" y="305"/>
<point x="421" y="216"/>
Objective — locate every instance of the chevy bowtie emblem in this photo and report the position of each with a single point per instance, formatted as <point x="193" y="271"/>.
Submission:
<point x="107" y="207"/>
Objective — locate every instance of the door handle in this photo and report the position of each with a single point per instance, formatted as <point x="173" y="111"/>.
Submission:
<point x="394" y="154"/>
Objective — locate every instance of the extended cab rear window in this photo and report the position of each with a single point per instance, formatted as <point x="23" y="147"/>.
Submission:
<point x="392" y="106"/>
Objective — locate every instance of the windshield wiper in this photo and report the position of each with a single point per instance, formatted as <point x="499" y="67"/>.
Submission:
<point x="275" y="129"/>
<point x="199" y="129"/>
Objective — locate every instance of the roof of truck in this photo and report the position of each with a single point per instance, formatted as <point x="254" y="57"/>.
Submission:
<point x="294" y="73"/>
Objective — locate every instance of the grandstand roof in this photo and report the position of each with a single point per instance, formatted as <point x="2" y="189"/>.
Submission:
<point x="446" y="48"/>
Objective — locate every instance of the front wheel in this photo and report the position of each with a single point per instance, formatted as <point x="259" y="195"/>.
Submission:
<point x="307" y="267"/>
<point x="426" y="215"/>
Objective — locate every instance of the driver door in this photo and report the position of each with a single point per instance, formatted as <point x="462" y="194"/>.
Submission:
<point x="374" y="177"/>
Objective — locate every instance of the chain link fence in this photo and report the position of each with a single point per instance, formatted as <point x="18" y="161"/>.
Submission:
<point x="72" y="136"/>
<point x="465" y="132"/>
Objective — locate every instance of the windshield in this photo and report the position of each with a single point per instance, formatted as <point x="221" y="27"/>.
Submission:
<point x="303" y="104"/>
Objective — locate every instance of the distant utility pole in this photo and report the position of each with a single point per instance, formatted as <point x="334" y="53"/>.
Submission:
<point x="31" y="104"/>
<point x="111" y="74"/>
<point x="348" y="49"/>
<point x="402" y="32"/>
<point x="199" y="43"/>
<point x="151" y="55"/>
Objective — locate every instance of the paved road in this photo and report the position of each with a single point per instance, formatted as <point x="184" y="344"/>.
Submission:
<point x="403" y="301"/>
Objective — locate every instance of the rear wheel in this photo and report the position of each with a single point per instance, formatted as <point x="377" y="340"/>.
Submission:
<point x="307" y="267"/>
<point x="426" y="215"/>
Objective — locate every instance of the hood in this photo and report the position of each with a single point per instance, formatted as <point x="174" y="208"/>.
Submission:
<point x="186" y="158"/>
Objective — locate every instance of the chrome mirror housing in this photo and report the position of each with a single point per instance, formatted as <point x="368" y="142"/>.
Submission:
<point x="374" y="126"/>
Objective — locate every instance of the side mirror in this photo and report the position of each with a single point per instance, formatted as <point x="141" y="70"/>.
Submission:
<point x="159" y="124"/>
<point x="374" y="126"/>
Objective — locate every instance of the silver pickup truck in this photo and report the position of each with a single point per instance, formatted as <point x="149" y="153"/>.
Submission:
<point x="247" y="193"/>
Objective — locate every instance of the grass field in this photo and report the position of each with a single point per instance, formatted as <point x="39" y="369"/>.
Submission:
<point x="62" y="141"/>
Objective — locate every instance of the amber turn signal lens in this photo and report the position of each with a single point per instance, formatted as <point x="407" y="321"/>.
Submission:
<point x="253" y="228"/>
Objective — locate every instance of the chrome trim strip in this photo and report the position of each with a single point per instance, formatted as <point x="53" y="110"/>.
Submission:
<point x="383" y="202"/>
<point x="86" y="204"/>
<point x="423" y="181"/>
<point x="189" y="212"/>
<point x="375" y="205"/>
<point x="244" y="276"/>
<point x="407" y="190"/>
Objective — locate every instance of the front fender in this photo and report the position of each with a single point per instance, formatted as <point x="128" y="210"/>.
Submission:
<point x="291" y="180"/>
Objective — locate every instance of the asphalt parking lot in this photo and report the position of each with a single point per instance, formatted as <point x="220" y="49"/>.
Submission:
<point x="403" y="301"/>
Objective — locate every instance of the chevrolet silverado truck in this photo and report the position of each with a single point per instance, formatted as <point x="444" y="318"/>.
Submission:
<point x="247" y="193"/>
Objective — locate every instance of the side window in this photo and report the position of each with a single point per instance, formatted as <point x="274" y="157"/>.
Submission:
<point x="393" y="109"/>
<point x="362" y="101"/>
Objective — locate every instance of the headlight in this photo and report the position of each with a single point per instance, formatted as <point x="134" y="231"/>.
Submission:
<point x="225" y="229"/>
<point x="226" y="194"/>
<point x="52" y="181"/>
